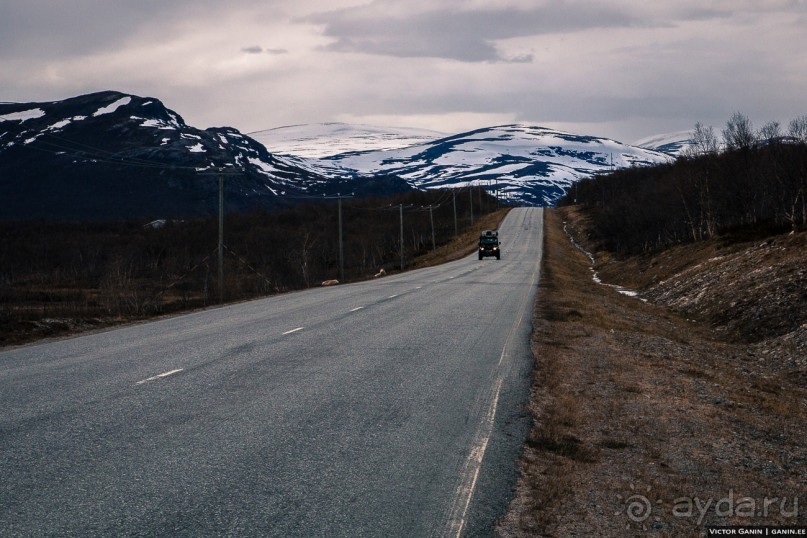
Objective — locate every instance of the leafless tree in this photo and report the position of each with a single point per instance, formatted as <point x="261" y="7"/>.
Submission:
<point x="798" y="129"/>
<point x="739" y="132"/>
<point x="770" y="132"/>
<point x="306" y="247"/>
<point x="704" y="141"/>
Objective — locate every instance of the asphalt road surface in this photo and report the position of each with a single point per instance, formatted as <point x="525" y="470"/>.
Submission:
<point x="387" y="408"/>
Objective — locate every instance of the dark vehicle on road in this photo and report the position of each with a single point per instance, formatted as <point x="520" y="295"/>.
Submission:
<point x="489" y="244"/>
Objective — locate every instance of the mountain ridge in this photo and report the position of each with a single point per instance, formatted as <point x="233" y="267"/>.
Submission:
<point x="116" y="155"/>
<point x="110" y="155"/>
<point x="530" y="164"/>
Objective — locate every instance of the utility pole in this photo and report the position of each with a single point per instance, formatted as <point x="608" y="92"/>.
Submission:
<point x="402" y="239"/>
<point x="221" y="171"/>
<point x="221" y="236"/>
<point x="471" y="196"/>
<point x="431" y="218"/>
<point x="341" y="247"/>
<point x="454" y="198"/>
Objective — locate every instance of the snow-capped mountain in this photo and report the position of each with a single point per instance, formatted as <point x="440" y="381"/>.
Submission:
<point x="674" y="144"/>
<point x="526" y="164"/>
<point x="327" y="139"/>
<point x="113" y="155"/>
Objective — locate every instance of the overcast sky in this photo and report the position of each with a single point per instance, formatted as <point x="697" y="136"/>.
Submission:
<point x="624" y="69"/>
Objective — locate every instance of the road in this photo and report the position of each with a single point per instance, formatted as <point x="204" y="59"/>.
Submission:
<point x="385" y="408"/>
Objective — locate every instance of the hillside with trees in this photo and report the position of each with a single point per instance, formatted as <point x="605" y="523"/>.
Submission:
<point x="752" y="180"/>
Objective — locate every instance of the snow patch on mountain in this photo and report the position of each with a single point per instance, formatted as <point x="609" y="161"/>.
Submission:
<point x="157" y="123"/>
<point x="674" y="144"/>
<point x="23" y="115"/>
<point x="109" y="109"/>
<point x="320" y="140"/>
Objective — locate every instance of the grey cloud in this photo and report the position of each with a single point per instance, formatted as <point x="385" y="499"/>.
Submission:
<point x="257" y="49"/>
<point x="456" y="47"/>
<point x="460" y="35"/>
<point x="667" y="82"/>
<point x="521" y="59"/>
<point x="37" y="28"/>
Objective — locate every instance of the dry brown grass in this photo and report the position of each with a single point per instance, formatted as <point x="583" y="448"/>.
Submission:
<point x="632" y="402"/>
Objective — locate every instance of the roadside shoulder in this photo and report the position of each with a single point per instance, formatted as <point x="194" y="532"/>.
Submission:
<point x="632" y="402"/>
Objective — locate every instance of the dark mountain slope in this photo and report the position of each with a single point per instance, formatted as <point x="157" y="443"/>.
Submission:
<point x="110" y="155"/>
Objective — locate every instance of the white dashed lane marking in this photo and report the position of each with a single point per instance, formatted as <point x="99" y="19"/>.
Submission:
<point x="160" y="376"/>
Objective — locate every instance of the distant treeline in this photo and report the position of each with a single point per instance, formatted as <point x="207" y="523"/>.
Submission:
<point x="753" y="180"/>
<point x="80" y="269"/>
